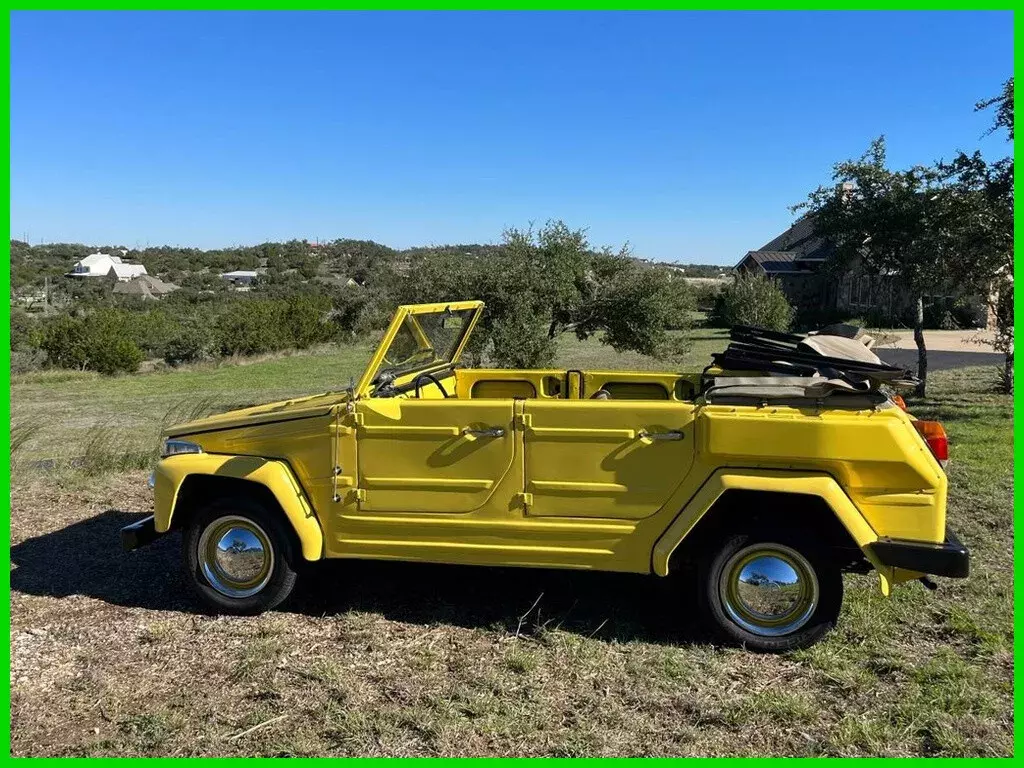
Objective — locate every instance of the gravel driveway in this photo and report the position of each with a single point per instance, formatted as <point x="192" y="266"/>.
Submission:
<point x="946" y="349"/>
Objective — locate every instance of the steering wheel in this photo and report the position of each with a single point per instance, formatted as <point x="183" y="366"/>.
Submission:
<point x="433" y="379"/>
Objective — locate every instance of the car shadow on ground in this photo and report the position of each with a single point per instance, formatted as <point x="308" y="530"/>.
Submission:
<point x="86" y="558"/>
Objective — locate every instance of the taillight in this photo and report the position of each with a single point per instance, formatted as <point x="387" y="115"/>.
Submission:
<point x="899" y="402"/>
<point x="935" y="435"/>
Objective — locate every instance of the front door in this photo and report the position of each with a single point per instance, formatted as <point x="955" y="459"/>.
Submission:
<point x="433" y="455"/>
<point x="605" y="458"/>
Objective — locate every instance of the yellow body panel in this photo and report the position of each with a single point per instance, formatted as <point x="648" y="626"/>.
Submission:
<point x="526" y="468"/>
<point x="274" y="475"/>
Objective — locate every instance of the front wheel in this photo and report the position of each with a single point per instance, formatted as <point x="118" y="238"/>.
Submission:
<point x="770" y="592"/>
<point x="238" y="557"/>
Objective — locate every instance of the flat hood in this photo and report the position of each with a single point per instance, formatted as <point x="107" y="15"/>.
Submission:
<point x="284" y="410"/>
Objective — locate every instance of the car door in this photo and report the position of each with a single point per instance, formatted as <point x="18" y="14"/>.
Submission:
<point x="605" y="458"/>
<point x="442" y="456"/>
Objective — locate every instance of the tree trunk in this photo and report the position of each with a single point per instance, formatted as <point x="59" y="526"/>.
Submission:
<point x="552" y="329"/>
<point x="922" y="353"/>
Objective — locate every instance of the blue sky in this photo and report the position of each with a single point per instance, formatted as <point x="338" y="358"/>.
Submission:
<point x="686" y="134"/>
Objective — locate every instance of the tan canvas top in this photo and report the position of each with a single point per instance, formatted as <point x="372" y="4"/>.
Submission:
<point x="772" y="387"/>
<point x="839" y="346"/>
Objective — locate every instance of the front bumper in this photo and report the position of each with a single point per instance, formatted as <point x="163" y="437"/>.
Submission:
<point x="139" y="534"/>
<point x="950" y="558"/>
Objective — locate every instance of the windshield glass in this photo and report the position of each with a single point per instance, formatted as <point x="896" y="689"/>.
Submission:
<point x="424" y="341"/>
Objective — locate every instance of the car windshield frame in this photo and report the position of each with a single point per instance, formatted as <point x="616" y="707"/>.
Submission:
<point x="418" y="340"/>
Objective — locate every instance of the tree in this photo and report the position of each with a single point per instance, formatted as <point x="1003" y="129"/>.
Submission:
<point x="940" y="229"/>
<point x="543" y="283"/>
<point x="982" y="194"/>
<point x="892" y="222"/>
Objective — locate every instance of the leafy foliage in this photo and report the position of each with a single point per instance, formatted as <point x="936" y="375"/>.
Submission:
<point x="101" y="342"/>
<point x="542" y="283"/>
<point x="538" y="284"/>
<point x="753" y="300"/>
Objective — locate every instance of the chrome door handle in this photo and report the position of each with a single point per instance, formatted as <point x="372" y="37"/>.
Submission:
<point x="486" y="432"/>
<point x="675" y="434"/>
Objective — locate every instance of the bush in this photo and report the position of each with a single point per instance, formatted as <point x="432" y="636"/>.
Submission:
<point x="64" y="342"/>
<point x="101" y="342"/>
<point x="115" y="354"/>
<point x="190" y="345"/>
<point x="753" y="300"/>
<point x="305" y="320"/>
<point x="252" y="327"/>
<point x="705" y="295"/>
<point x="109" y="344"/>
<point x="25" y="334"/>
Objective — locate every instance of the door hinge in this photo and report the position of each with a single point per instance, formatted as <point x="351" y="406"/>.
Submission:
<point x="526" y="499"/>
<point x="359" y="494"/>
<point x="355" y="419"/>
<point x="523" y="421"/>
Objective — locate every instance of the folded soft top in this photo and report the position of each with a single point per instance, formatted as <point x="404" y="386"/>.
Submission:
<point x="814" y="365"/>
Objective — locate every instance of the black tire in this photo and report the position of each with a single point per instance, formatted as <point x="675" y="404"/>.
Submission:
<point x="816" y="594"/>
<point x="276" y="577"/>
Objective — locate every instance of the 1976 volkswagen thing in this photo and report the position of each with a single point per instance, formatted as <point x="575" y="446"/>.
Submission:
<point x="769" y="475"/>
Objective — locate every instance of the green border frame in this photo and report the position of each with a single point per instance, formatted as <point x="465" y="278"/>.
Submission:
<point x="481" y="5"/>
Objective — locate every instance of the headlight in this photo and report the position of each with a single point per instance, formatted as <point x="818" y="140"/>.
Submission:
<point x="174" y="447"/>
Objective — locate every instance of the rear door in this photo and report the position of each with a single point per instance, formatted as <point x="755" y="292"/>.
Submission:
<point x="605" y="458"/>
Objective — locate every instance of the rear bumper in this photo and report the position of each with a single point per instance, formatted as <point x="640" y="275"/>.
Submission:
<point x="950" y="558"/>
<point x="139" y="534"/>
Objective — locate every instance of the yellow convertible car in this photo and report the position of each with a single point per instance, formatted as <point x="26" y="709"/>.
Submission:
<point x="767" y="475"/>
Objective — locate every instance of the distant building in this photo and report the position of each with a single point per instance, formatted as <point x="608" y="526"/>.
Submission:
<point x="105" y="265"/>
<point x="145" y="287"/>
<point x="241" y="276"/>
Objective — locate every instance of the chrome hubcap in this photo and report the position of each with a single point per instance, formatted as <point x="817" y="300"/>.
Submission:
<point x="769" y="589"/>
<point x="236" y="556"/>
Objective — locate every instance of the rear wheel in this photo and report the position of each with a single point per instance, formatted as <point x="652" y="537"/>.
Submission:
<point x="238" y="557"/>
<point x="770" y="591"/>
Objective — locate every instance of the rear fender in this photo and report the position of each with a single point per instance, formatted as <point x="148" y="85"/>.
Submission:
<point x="275" y="476"/>
<point x="775" y="481"/>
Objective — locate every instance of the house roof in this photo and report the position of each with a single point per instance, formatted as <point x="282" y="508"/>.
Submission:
<point x="775" y="262"/>
<point x="146" y="286"/>
<point x="126" y="271"/>
<point x="801" y="240"/>
<point x="798" y="249"/>
<point x="96" y="259"/>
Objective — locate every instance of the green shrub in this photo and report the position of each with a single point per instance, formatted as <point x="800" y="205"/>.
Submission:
<point x="64" y="341"/>
<point x="753" y="300"/>
<point x="101" y="342"/>
<point x="153" y="330"/>
<point x="109" y="343"/>
<point x="305" y="320"/>
<point x="25" y="333"/>
<point x="189" y="345"/>
<point x="252" y="327"/>
<point x="114" y="354"/>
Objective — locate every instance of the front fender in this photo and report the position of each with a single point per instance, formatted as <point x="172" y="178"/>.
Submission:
<point x="276" y="476"/>
<point x="776" y="481"/>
